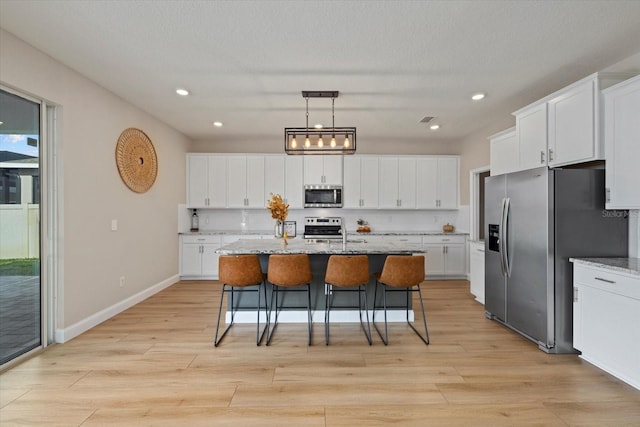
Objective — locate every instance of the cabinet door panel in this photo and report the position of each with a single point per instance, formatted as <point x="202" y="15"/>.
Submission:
<point x="531" y="128"/>
<point x="274" y="176"/>
<point x="217" y="181"/>
<point x="448" y="183"/>
<point x="197" y="180"/>
<point x="612" y="347"/>
<point x="571" y="126"/>
<point x="368" y="182"/>
<point x="255" y="182"/>
<point x="455" y="260"/>
<point x="210" y="260"/>
<point x="407" y="183"/>
<point x="294" y="181"/>
<point x="191" y="261"/>
<point x="332" y="169"/>
<point x="313" y="170"/>
<point x="351" y="194"/>
<point x="427" y="182"/>
<point x="388" y="183"/>
<point x="622" y="130"/>
<point x="504" y="154"/>
<point x="237" y="181"/>
<point x="434" y="259"/>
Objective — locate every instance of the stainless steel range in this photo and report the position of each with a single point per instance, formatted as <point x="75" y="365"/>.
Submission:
<point x="322" y="228"/>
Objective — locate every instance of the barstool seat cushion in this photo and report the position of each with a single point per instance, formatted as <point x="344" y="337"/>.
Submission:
<point x="240" y="270"/>
<point x="347" y="270"/>
<point x="289" y="270"/>
<point x="402" y="271"/>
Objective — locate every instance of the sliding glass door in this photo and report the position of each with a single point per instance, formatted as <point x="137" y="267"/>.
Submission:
<point x="20" y="248"/>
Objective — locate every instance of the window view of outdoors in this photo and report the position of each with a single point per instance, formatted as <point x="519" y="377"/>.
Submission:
<point x="20" y="287"/>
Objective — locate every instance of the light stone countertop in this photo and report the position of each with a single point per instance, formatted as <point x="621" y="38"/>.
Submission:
<point x="349" y="233"/>
<point x="300" y="246"/>
<point x="622" y="265"/>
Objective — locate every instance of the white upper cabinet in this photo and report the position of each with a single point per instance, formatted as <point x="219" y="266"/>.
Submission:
<point x="622" y="140"/>
<point x="245" y="185"/>
<point x="323" y="169"/>
<point x="360" y="182"/>
<point x="274" y="176"/>
<point x="293" y="185"/>
<point x="531" y="134"/>
<point x="504" y="152"/>
<point x="397" y="183"/>
<point x="565" y="127"/>
<point x="572" y="126"/>
<point x="437" y="182"/>
<point x="206" y="181"/>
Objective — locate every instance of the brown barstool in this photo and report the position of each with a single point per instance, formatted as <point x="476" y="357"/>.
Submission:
<point x="238" y="272"/>
<point x="402" y="273"/>
<point x="290" y="272"/>
<point x="347" y="273"/>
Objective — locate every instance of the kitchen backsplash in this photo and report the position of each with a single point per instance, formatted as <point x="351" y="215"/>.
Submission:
<point x="260" y="219"/>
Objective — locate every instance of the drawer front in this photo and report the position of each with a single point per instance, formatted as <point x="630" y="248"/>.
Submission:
<point x="607" y="281"/>
<point x="446" y="240"/>
<point x="201" y="239"/>
<point x="230" y="238"/>
<point x="410" y="240"/>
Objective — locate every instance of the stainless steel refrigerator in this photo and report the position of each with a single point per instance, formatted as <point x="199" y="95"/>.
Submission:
<point x="535" y="221"/>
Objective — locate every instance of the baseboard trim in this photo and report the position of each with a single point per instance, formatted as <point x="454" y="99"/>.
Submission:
<point x="63" y="335"/>
<point x="317" y="316"/>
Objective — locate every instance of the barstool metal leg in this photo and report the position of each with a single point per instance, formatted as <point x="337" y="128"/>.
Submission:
<point x="424" y="338"/>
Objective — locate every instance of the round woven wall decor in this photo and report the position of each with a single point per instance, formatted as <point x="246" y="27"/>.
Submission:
<point x="136" y="160"/>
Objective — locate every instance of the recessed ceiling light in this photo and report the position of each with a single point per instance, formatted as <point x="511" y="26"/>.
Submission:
<point x="182" y="92"/>
<point x="478" y="96"/>
<point x="318" y="126"/>
<point x="434" y="127"/>
<point x="217" y="124"/>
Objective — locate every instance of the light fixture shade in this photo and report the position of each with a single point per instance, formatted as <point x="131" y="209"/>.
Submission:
<point x="314" y="134"/>
<point x="314" y="137"/>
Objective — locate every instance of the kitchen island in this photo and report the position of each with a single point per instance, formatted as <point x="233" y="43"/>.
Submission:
<point x="319" y="252"/>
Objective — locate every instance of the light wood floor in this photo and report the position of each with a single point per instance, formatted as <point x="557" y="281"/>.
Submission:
<point x="155" y="364"/>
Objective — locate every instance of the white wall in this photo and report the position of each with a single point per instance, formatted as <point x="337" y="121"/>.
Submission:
<point x="92" y="257"/>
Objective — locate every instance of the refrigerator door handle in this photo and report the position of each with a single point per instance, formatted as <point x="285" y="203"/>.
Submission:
<point x="505" y="236"/>
<point x="501" y="238"/>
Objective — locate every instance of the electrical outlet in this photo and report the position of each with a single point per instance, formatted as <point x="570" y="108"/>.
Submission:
<point x="122" y="281"/>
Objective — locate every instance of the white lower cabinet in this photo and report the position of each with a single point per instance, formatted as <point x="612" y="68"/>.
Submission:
<point x="198" y="257"/>
<point x="606" y="314"/>
<point x="476" y="270"/>
<point x="445" y="255"/>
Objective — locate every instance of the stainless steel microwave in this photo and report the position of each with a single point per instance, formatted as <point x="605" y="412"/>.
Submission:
<point x="322" y="196"/>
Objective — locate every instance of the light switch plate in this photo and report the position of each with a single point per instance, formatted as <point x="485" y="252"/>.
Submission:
<point x="114" y="225"/>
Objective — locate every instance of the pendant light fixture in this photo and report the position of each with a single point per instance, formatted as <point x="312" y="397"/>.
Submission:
<point x="314" y="142"/>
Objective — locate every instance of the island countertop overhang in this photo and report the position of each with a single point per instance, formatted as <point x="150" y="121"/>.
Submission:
<point x="295" y="246"/>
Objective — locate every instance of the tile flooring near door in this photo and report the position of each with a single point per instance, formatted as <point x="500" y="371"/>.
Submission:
<point x="155" y="364"/>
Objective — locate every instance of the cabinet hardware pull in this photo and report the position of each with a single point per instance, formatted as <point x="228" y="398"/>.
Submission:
<point x="445" y="240"/>
<point x="608" y="192"/>
<point x="550" y="154"/>
<point x="542" y="157"/>
<point x="575" y="294"/>
<point x="604" y="280"/>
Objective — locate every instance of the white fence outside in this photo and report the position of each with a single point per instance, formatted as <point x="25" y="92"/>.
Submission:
<point x="19" y="231"/>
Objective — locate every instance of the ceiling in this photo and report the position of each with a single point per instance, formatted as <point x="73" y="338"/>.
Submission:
<point x="394" y="62"/>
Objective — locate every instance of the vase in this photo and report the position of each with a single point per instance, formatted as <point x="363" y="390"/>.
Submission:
<point x="279" y="229"/>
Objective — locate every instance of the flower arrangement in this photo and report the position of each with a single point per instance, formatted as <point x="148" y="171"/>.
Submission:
<point x="279" y="210"/>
